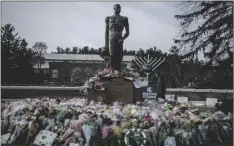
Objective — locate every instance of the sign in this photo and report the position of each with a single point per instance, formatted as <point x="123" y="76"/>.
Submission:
<point x="117" y="81"/>
<point x="198" y="103"/>
<point x="45" y="138"/>
<point x="149" y="92"/>
<point x="181" y="99"/>
<point x="211" y="101"/>
<point x="170" y="141"/>
<point x="170" y="97"/>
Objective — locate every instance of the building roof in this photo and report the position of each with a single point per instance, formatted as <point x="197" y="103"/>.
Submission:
<point x="75" y="57"/>
<point x="128" y="58"/>
<point x="83" y="57"/>
<point x="51" y="56"/>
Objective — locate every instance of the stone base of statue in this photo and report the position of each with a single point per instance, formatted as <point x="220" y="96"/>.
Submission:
<point x="114" y="87"/>
<point x="118" y="89"/>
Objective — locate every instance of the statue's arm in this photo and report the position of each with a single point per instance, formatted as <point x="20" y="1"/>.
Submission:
<point x="126" y="28"/>
<point x="107" y="32"/>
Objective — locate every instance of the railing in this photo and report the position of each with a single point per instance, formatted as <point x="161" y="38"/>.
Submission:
<point x="20" y="92"/>
<point x="84" y="87"/>
<point x="41" y="88"/>
<point x="199" y="90"/>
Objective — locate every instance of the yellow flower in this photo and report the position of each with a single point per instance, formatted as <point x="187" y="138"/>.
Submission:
<point x="133" y="111"/>
<point x="117" y="131"/>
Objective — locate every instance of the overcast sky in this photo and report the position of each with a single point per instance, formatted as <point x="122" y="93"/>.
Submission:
<point x="69" y="24"/>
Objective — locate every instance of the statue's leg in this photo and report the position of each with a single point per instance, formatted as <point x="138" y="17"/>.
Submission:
<point x="114" y="61"/>
<point x="112" y="49"/>
<point x="119" y="56"/>
<point x="107" y="63"/>
<point x="116" y="52"/>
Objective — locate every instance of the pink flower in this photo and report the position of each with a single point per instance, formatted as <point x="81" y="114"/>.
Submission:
<point x="106" y="131"/>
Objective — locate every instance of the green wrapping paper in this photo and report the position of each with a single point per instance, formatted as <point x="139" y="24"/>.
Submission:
<point x="162" y="137"/>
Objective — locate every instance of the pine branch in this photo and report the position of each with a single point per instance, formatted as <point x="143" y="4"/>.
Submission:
<point x="215" y="33"/>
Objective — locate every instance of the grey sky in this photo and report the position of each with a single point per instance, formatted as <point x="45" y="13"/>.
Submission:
<point x="69" y="24"/>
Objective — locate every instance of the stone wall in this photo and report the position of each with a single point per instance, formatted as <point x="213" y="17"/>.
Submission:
<point x="196" y="96"/>
<point x="30" y="93"/>
<point x="124" y="92"/>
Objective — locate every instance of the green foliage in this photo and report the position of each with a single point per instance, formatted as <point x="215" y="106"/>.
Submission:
<point x="206" y="26"/>
<point x="37" y="60"/>
<point x="74" y="50"/>
<point x="16" y="66"/>
<point x="87" y="50"/>
<point x="40" y="47"/>
<point x="81" y="75"/>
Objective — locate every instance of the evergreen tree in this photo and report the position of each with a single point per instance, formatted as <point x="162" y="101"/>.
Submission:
<point x="16" y="65"/>
<point x="206" y="26"/>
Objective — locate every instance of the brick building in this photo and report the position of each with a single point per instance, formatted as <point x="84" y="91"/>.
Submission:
<point x="67" y="69"/>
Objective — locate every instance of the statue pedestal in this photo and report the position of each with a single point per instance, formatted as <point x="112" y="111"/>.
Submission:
<point x="94" y="95"/>
<point x="118" y="89"/>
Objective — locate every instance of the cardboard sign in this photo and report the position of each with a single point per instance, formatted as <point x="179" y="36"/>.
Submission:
<point x="161" y="100"/>
<point x="181" y="99"/>
<point x="170" y="97"/>
<point x="170" y="141"/>
<point x="211" y="101"/>
<point x="198" y="103"/>
<point x="4" y="138"/>
<point x="45" y="138"/>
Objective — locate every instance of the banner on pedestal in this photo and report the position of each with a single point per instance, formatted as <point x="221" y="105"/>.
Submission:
<point x="149" y="92"/>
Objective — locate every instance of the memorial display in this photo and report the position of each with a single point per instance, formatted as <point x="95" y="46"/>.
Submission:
<point x="161" y="120"/>
<point x="57" y="122"/>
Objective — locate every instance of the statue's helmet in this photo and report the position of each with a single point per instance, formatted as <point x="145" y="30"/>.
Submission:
<point x="117" y="8"/>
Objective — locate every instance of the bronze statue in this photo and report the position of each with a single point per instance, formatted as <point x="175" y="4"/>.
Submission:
<point x="114" y="39"/>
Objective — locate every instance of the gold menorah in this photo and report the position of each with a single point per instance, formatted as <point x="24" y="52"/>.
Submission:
<point x="152" y="62"/>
